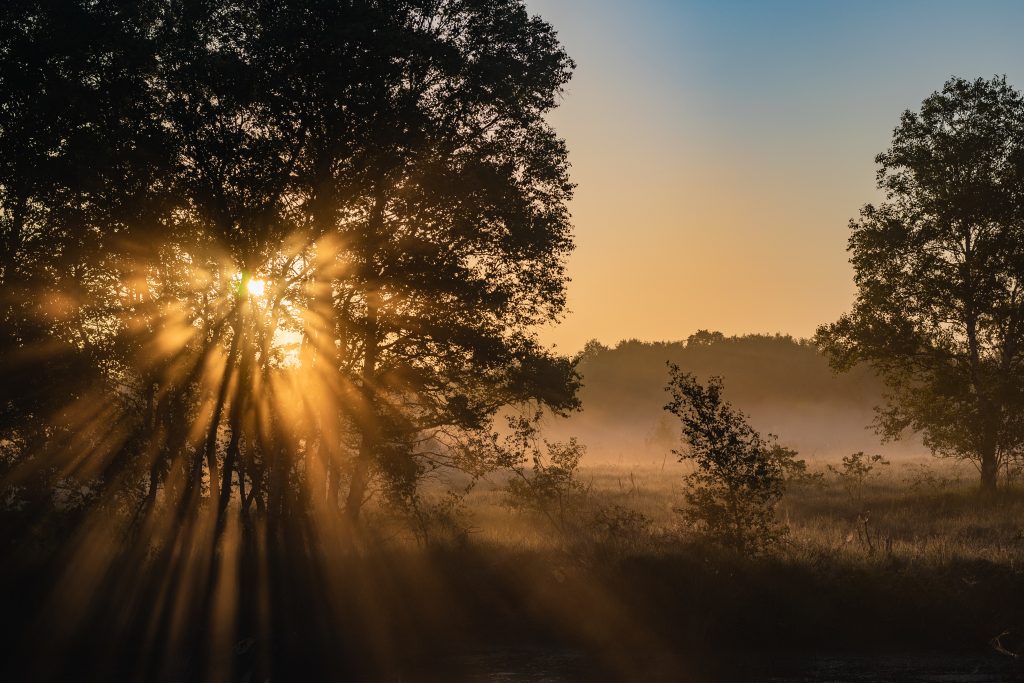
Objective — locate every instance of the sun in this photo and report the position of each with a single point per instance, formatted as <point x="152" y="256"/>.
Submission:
<point x="255" y="287"/>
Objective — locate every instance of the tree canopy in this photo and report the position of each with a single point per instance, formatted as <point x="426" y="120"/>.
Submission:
<point x="939" y="267"/>
<point x="273" y="255"/>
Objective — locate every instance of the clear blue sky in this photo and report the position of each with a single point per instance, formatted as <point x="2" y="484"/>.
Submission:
<point x="721" y="147"/>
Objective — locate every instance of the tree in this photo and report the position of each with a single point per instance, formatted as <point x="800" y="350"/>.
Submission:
<point x="939" y="268"/>
<point x="453" y="222"/>
<point x="704" y="338"/>
<point x="261" y="260"/>
<point x="303" y="245"/>
<point x="739" y="476"/>
<point x="79" y="166"/>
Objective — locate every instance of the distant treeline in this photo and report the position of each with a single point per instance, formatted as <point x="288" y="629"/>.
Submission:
<point x="784" y="384"/>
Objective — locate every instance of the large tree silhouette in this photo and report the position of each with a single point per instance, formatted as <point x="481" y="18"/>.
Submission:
<point x="939" y="269"/>
<point x="260" y="261"/>
<point x="276" y="253"/>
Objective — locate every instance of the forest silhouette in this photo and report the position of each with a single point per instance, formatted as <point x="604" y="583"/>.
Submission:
<point x="785" y="384"/>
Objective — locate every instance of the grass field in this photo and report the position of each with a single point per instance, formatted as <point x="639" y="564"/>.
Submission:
<point x="910" y="560"/>
<point x="911" y="570"/>
<point x="917" y="511"/>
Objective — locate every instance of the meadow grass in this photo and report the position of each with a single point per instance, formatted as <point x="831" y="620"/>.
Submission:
<point x="921" y="510"/>
<point x="914" y="559"/>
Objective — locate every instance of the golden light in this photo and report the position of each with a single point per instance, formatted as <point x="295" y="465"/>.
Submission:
<point x="256" y="287"/>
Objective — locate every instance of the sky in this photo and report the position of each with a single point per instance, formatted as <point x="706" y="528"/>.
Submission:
<point x="721" y="147"/>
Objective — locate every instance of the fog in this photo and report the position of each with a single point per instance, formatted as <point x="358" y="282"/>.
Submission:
<point x="784" y="385"/>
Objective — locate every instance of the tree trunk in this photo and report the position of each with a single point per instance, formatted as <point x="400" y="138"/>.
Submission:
<point x="192" y="485"/>
<point x="153" y="425"/>
<point x="230" y="457"/>
<point x="989" y="470"/>
<point x="360" y="479"/>
<point x="369" y="418"/>
<point x="370" y="424"/>
<point x="986" y="409"/>
<point x="238" y="403"/>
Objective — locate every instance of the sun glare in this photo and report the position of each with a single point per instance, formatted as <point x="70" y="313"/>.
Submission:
<point x="256" y="287"/>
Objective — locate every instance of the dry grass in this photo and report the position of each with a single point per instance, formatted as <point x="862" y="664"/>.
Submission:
<point x="911" y="511"/>
<point x="915" y="561"/>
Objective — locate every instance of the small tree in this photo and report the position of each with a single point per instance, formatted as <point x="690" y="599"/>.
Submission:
<point x="856" y="470"/>
<point x="739" y="477"/>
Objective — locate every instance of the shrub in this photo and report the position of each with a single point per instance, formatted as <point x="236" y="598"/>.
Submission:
<point x="739" y="476"/>
<point x="621" y="526"/>
<point x="550" y="486"/>
<point x="856" y="470"/>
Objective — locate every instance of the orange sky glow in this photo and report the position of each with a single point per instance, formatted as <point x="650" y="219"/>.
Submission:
<point x="720" y="154"/>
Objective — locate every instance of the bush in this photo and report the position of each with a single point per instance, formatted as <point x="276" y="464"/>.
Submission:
<point x="856" y="470"/>
<point x="550" y="487"/>
<point x="739" y="476"/>
<point x="621" y="527"/>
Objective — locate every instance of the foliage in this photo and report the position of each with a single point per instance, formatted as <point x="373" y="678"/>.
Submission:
<point x="739" y="476"/>
<point x="856" y="470"/>
<point x="925" y="479"/>
<point x="795" y="471"/>
<point x="622" y="527"/>
<point x="437" y="521"/>
<point x="281" y="254"/>
<point x="551" y="486"/>
<point x="628" y="378"/>
<point x="779" y="381"/>
<point x="705" y="338"/>
<point x="938" y="268"/>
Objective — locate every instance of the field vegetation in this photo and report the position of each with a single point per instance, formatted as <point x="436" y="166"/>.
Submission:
<point x="591" y="571"/>
<point x="900" y="559"/>
<point x="904" y="560"/>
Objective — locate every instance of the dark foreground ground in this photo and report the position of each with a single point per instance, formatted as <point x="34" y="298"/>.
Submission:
<point x="539" y="665"/>
<point x="488" y="615"/>
<point x="896" y="583"/>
